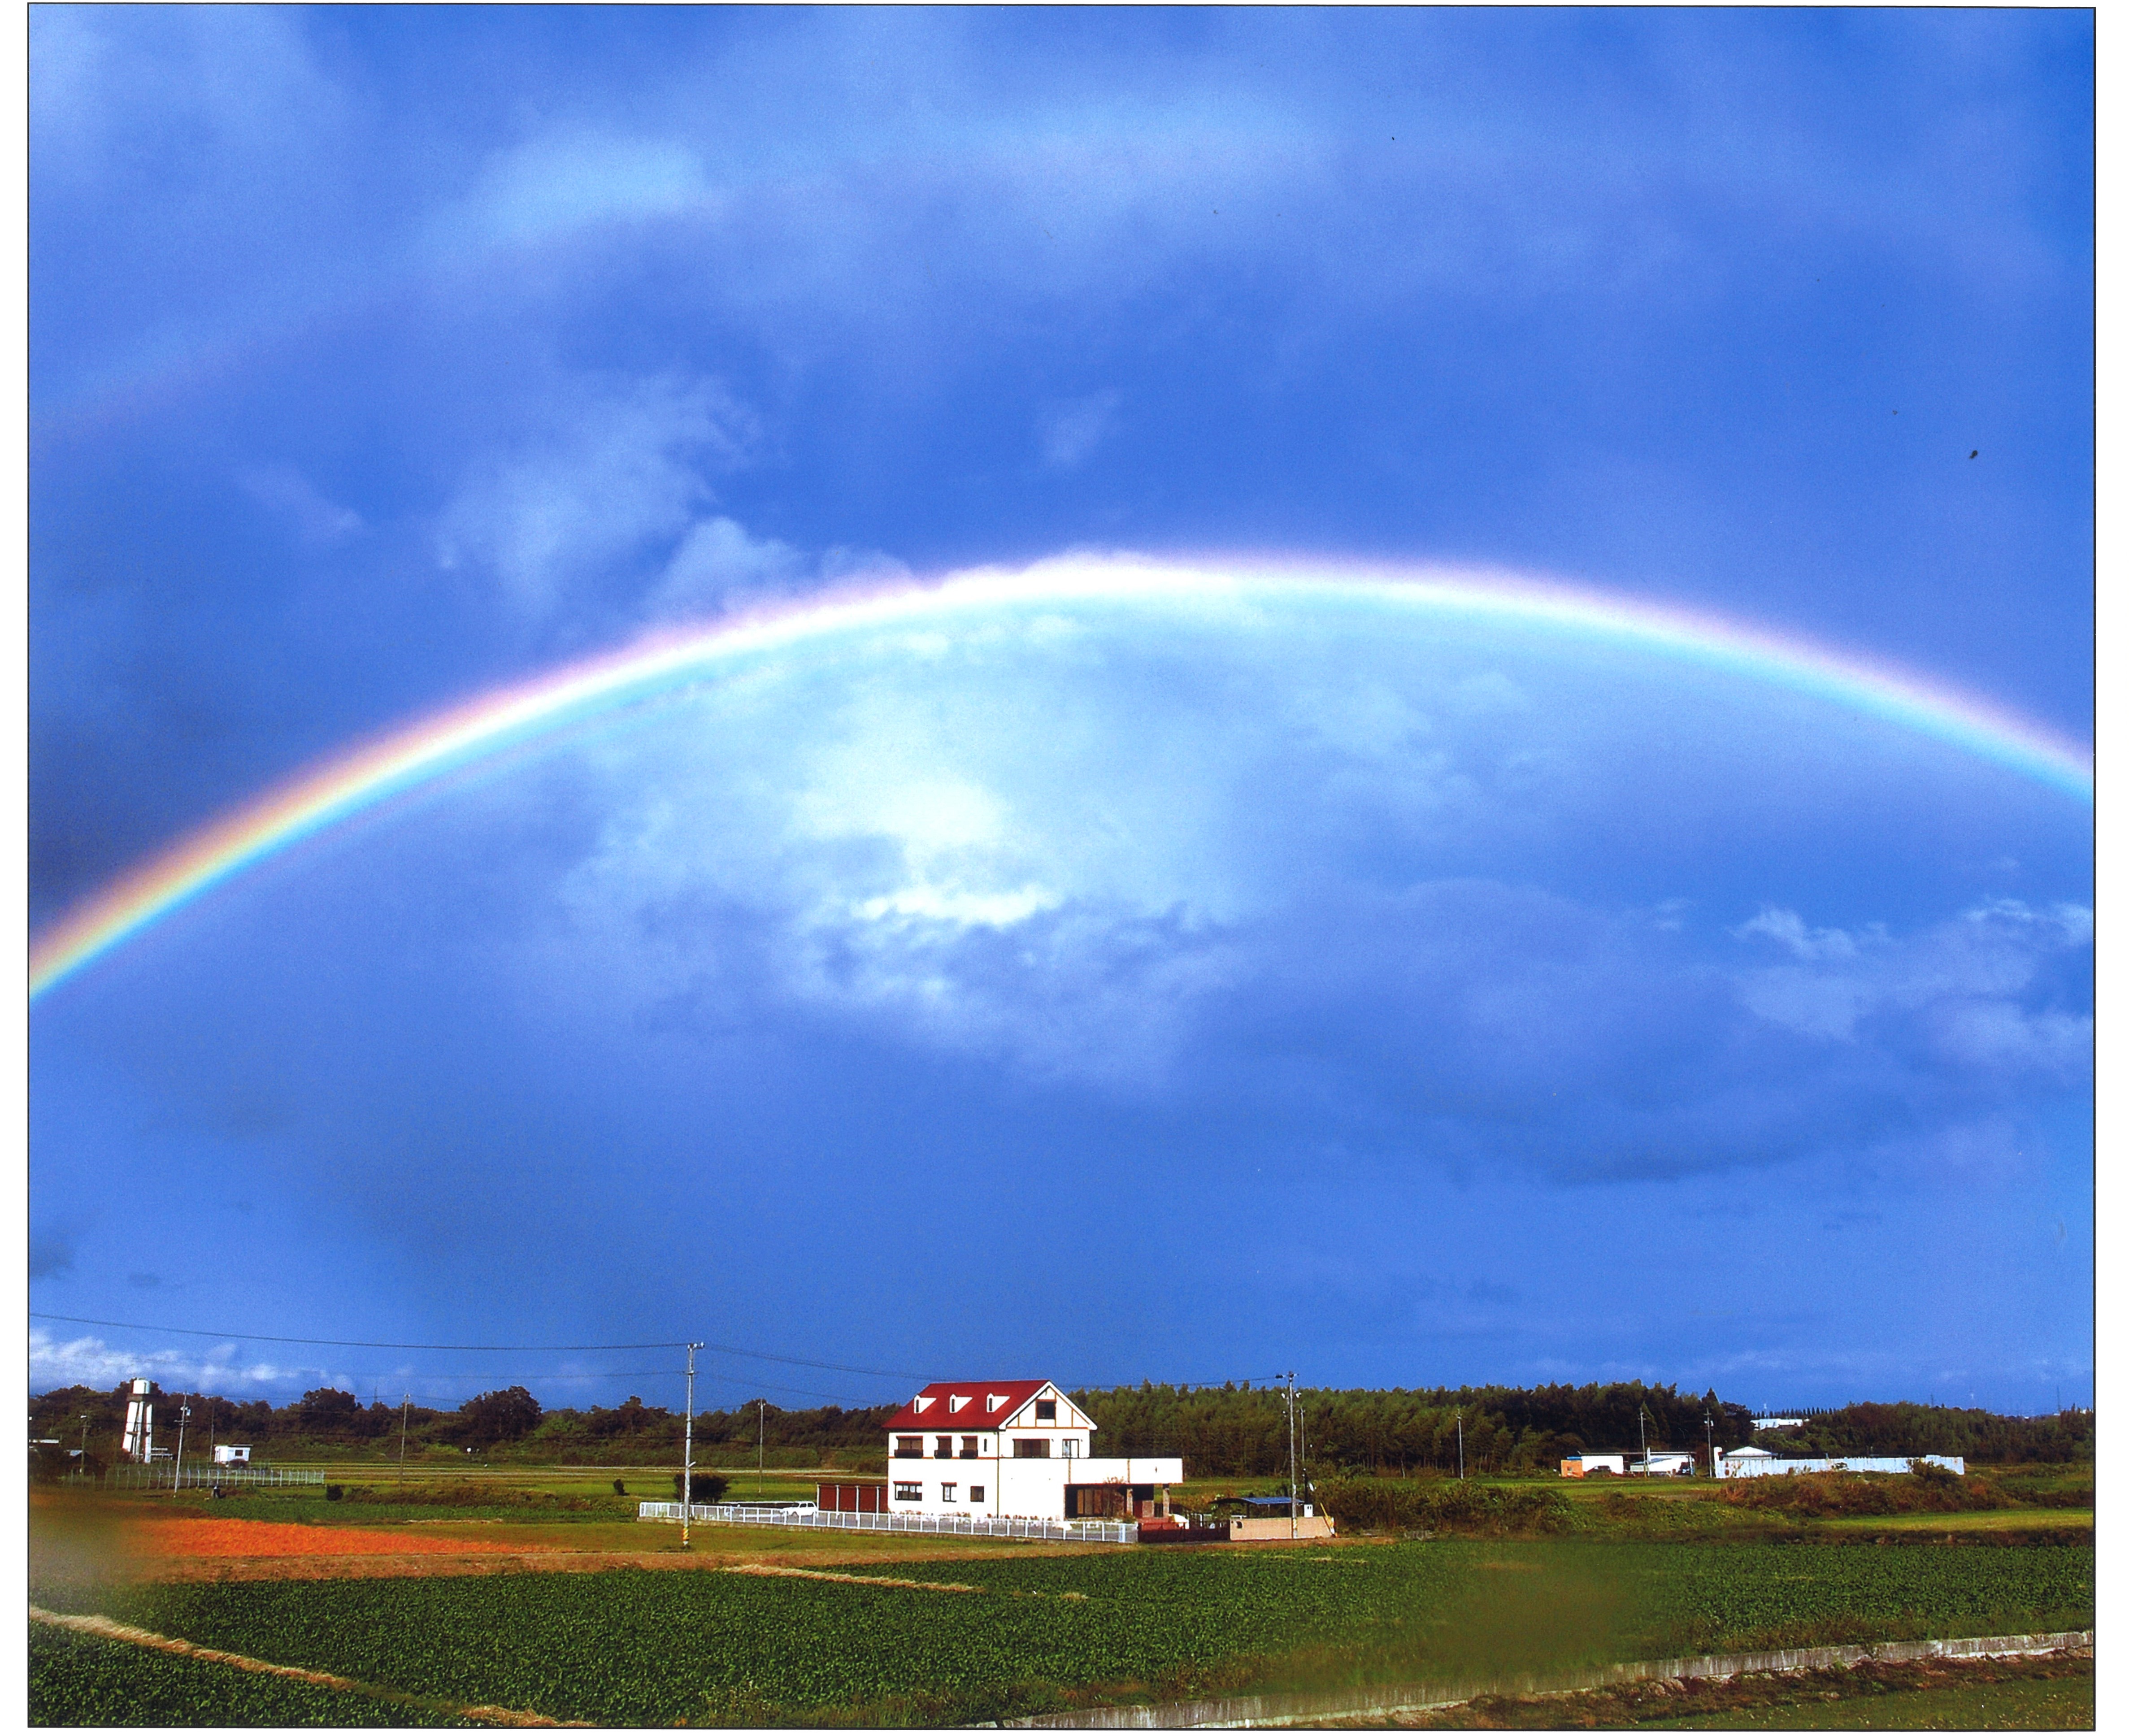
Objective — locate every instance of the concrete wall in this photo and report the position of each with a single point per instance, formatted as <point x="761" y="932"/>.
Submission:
<point x="1279" y="1530"/>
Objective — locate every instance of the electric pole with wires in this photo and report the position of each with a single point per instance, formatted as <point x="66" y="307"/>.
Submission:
<point x="687" y="1452"/>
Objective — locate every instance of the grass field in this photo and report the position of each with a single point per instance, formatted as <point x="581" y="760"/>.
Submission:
<point x="1043" y="1631"/>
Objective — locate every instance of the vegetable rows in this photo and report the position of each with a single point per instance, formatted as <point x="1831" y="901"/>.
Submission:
<point x="636" y="1647"/>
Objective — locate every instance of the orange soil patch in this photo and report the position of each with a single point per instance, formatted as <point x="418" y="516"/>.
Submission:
<point x="238" y="1539"/>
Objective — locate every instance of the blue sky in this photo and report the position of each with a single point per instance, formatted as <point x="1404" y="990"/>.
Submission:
<point x="1120" y="991"/>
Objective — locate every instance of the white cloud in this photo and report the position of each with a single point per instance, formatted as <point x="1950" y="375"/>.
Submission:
<point x="290" y="494"/>
<point x="551" y="187"/>
<point x="1961" y="980"/>
<point x="89" y="1360"/>
<point x="623" y="467"/>
<point x="1787" y="929"/>
<point x="1068" y="432"/>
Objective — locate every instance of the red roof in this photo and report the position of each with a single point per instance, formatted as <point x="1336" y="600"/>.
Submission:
<point x="982" y="1404"/>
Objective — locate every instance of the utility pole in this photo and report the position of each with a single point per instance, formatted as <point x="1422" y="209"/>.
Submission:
<point x="177" y="1474"/>
<point x="84" y="1444"/>
<point x="760" y="1447"/>
<point x="687" y="1452"/>
<point x="1460" y="1443"/>
<point x="1293" y="1482"/>
<point x="1708" y="1423"/>
<point x="406" y="1401"/>
<point x="1642" y="1412"/>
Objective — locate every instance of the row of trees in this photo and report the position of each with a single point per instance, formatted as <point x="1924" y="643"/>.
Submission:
<point x="1220" y="1431"/>
<point x="1240" y="1430"/>
<point x="508" y="1419"/>
<point x="1982" y="1435"/>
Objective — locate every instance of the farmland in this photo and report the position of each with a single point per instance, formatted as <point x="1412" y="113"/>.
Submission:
<point x="1044" y="1630"/>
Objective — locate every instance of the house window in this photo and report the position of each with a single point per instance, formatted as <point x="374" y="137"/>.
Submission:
<point x="909" y="1446"/>
<point x="909" y="1491"/>
<point x="1071" y="1448"/>
<point x="1030" y="1449"/>
<point x="945" y="1449"/>
<point x="975" y="1492"/>
<point x="1045" y="1411"/>
<point x="968" y="1446"/>
<point x="946" y="1490"/>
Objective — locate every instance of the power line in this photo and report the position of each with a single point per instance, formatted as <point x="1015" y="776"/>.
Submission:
<point x="269" y="1338"/>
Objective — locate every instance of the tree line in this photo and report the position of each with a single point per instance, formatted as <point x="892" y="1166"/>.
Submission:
<point x="1240" y="1430"/>
<point x="1231" y="1430"/>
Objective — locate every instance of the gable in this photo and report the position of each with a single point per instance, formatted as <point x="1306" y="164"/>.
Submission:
<point x="989" y="1405"/>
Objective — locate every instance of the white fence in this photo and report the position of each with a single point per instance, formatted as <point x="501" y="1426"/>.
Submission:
<point x="935" y="1524"/>
<point x="1806" y="1467"/>
<point x="202" y="1476"/>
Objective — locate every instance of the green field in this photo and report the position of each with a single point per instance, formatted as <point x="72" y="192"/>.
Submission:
<point x="75" y="1679"/>
<point x="632" y="1646"/>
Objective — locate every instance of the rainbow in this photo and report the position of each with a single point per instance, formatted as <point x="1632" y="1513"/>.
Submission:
<point x="419" y="754"/>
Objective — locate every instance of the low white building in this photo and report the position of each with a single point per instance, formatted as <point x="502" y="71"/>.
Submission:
<point x="1584" y="1463"/>
<point x="1663" y="1464"/>
<point x="1758" y="1462"/>
<point x="1012" y="1449"/>
<point x="226" y="1454"/>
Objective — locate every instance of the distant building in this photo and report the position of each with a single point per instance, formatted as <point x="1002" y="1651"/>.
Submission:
<point x="226" y="1454"/>
<point x="1758" y="1462"/>
<point x="1012" y="1449"/>
<point x="1778" y="1422"/>
<point x="1620" y="1464"/>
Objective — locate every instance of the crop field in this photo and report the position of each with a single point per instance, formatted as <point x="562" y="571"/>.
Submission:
<point x="1040" y="1631"/>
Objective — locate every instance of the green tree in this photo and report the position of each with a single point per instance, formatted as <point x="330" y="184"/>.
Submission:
<point x="493" y="1418"/>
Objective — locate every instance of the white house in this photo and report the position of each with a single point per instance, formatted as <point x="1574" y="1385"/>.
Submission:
<point x="226" y="1454"/>
<point x="1012" y="1449"/>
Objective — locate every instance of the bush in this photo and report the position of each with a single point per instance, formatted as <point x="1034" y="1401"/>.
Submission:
<point x="619" y="1486"/>
<point x="708" y="1487"/>
<point x="1848" y="1494"/>
<point x="334" y="1492"/>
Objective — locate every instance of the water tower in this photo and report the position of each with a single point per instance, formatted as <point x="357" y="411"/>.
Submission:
<point x="141" y="1422"/>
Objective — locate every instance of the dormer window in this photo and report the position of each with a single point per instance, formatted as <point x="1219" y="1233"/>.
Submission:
<point x="954" y="1403"/>
<point x="993" y="1402"/>
<point x="1045" y="1411"/>
<point x="922" y="1404"/>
